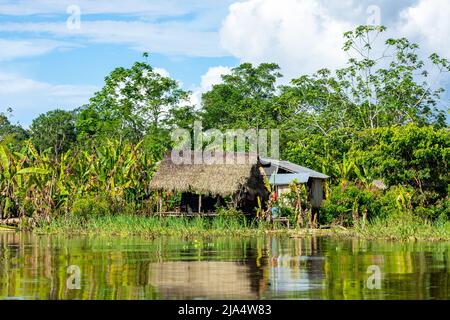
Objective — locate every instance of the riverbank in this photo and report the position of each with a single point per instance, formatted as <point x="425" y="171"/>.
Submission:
<point x="399" y="228"/>
<point x="128" y="225"/>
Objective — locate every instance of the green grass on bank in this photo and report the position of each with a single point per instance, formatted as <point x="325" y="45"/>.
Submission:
<point x="399" y="227"/>
<point x="405" y="226"/>
<point x="126" y="225"/>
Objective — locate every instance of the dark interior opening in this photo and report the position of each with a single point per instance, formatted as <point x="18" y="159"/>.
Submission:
<point x="190" y="203"/>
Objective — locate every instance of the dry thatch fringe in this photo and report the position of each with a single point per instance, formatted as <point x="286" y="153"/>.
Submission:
<point x="223" y="179"/>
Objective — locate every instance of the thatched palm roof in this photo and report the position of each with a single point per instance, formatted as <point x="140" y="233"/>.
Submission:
<point x="222" y="178"/>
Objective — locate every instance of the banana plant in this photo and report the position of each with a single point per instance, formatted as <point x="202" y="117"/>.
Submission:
<point x="363" y="175"/>
<point x="36" y="184"/>
<point x="345" y="170"/>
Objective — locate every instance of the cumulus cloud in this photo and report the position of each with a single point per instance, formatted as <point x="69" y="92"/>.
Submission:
<point x="305" y="35"/>
<point x="299" y="35"/>
<point x="211" y="77"/>
<point x="29" y="97"/>
<point x="162" y="72"/>
<point x="427" y="22"/>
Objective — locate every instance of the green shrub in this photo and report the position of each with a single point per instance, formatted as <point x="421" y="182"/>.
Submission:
<point x="286" y="211"/>
<point x="229" y="212"/>
<point x="344" y="201"/>
<point x="90" y="206"/>
<point x="347" y="200"/>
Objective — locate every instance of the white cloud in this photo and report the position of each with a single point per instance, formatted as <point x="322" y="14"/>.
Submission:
<point x="173" y="27"/>
<point x="162" y="72"/>
<point x="141" y="7"/>
<point x="211" y="77"/>
<point x="29" y="97"/>
<point x="172" y="38"/>
<point x="305" y="35"/>
<point x="300" y="35"/>
<point x="12" y="49"/>
<point x="427" y="22"/>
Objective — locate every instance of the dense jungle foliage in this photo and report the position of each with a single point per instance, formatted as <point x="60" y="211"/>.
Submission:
<point x="377" y="126"/>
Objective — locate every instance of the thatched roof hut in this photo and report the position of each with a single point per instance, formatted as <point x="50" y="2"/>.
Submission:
<point x="229" y="174"/>
<point x="240" y="176"/>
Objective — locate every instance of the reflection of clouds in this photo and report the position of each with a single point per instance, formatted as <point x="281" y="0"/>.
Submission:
<point x="294" y="266"/>
<point x="295" y="273"/>
<point x="288" y="280"/>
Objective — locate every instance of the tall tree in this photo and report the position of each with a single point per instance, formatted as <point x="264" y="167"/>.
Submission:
<point x="244" y="99"/>
<point x="381" y="85"/>
<point x="10" y="133"/>
<point x="54" y="130"/>
<point x="133" y="102"/>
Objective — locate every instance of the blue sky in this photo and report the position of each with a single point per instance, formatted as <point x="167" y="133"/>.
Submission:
<point x="47" y="62"/>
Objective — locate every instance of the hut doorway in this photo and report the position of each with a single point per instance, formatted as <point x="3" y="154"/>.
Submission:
<point x="196" y="203"/>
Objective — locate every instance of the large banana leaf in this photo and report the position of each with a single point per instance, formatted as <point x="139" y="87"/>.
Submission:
<point x="4" y="159"/>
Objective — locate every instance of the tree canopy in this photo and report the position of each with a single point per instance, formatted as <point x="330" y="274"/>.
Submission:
<point x="54" y="130"/>
<point x="133" y="102"/>
<point x="245" y="99"/>
<point x="10" y="133"/>
<point x="380" y="117"/>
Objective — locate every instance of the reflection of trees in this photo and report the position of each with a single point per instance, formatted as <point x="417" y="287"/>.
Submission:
<point x="409" y="270"/>
<point x="328" y="268"/>
<point x="34" y="267"/>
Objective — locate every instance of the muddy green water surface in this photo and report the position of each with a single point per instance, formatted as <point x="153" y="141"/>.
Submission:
<point x="53" y="267"/>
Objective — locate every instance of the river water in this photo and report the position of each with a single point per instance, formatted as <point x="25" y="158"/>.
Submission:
<point x="53" y="267"/>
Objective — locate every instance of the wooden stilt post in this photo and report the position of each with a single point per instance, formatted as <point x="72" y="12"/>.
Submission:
<point x="160" y="204"/>
<point x="310" y="218"/>
<point x="315" y="219"/>
<point x="157" y="202"/>
<point x="199" y="203"/>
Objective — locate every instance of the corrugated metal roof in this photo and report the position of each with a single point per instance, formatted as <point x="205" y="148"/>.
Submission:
<point x="294" y="168"/>
<point x="288" y="178"/>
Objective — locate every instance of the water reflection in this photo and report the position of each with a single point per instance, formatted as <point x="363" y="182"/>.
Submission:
<point x="35" y="267"/>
